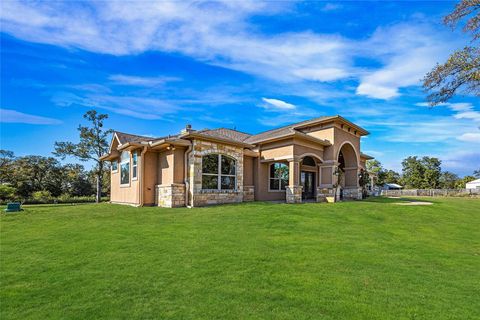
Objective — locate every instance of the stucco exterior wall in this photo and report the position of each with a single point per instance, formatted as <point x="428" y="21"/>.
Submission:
<point x="150" y="175"/>
<point x="262" y="192"/>
<point x="248" y="171"/>
<point x="124" y="194"/>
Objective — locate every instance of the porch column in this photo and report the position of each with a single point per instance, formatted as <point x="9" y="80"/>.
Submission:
<point x="294" y="189"/>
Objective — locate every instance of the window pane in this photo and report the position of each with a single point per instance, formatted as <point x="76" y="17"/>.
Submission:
<point x="134" y="171"/>
<point x="279" y="170"/>
<point x="284" y="184"/>
<point x="209" y="182"/>
<point x="274" y="184"/>
<point x="228" y="183"/>
<point x="125" y="156"/>
<point x="228" y="165"/>
<point x="125" y="173"/>
<point x="134" y="158"/>
<point x="210" y="164"/>
<point x="115" y="165"/>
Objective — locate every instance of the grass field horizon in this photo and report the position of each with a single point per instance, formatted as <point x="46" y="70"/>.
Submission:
<point x="352" y="260"/>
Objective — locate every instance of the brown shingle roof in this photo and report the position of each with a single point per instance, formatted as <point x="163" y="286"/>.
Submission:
<point x="279" y="132"/>
<point x="224" y="133"/>
<point x="127" y="137"/>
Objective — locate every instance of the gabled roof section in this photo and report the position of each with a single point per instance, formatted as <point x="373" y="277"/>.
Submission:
<point x="292" y="128"/>
<point x="224" y="133"/>
<point x="127" y="137"/>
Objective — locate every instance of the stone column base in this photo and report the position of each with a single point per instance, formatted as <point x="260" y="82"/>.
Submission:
<point x="170" y="195"/>
<point x="323" y="193"/>
<point x="294" y="194"/>
<point x="248" y="193"/>
<point x="352" y="194"/>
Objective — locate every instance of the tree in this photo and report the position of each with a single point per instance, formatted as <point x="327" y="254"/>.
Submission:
<point x="93" y="144"/>
<point x="375" y="167"/>
<point x="390" y="176"/>
<point x="421" y="173"/>
<point x="476" y="173"/>
<point x="36" y="173"/>
<point x="448" y="180"/>
<point x="462" y="69"/>
<point x="6" y="160"/>
<point x="462" y="182"/>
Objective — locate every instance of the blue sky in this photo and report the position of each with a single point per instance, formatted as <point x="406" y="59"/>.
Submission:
<point x="249" y="65"/>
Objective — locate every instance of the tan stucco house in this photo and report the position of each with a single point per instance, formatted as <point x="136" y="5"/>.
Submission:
<point x="309" y="160"/>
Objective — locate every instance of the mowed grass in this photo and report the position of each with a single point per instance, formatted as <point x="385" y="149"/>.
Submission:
<point x="353" y="260"/>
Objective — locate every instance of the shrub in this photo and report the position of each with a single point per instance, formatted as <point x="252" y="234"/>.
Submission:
<point x="43" y="196"/>
<point x="7" y="193"/>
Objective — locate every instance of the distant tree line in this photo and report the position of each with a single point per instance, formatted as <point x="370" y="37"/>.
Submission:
<point x="42" y="179"/>
<point x="420" y="173"/>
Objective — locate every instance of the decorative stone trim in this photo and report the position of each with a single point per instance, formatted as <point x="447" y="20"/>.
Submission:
<point x="248" y="193"/>
<point x="170" y="196"/>
<point x="323" y="193"/>
<point x="352" y="194"/>
<point x="200" y="197"/>
<point x="294" y="194"/>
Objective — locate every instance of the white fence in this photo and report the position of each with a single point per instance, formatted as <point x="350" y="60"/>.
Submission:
<point x="431" y="192"/>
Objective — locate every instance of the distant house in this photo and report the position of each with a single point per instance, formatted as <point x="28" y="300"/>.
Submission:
<point x="392" y="186"/>
<point x="295" y="163"/>
<point x="475" y="184"/>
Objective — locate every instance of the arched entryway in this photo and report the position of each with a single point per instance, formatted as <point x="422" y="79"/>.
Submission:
<point x="309" y="177"/>
<point x="347" y="166"/>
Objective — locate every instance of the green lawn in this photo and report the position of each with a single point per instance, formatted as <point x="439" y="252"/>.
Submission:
<point x="353" y="260"/>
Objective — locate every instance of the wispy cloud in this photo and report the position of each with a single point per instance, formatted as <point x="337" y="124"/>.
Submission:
<point x="141" y="81"/>
<point x="220" y="33"/>
<point x="12" y="116"/>
<point x="276" y="104"/>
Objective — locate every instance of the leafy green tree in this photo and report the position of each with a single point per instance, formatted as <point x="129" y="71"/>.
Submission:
<point x="7" y="192"/>
<point x="390" y="176"/>
<point x="448" y="180"/>
<point x="92" y="145"/>
<point x="461" y="72"/>
<point x="476" y="173"/>
<point x="35" y="173"/>
<point x="375" y="167"/>
<point x="462" y="182"/>
<point x="6" y="160"/>
<point x="421" y="173"/>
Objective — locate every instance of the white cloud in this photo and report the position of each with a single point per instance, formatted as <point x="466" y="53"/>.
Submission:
<point x="407" y="52"/>
<point x="276" y="104"/>
<point x="220" y="33"/>
<point x="12" y="116"/>
<point x="140" y="81"/>
<point x="331" y="7"/>
<point x="470" y="137"/>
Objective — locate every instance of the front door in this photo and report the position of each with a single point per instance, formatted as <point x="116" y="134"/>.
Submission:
<point x="308" y="183"/>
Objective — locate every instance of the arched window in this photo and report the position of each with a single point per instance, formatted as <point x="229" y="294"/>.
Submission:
<point x="278" y="176"/>
<point x="308" y="161"/>
<point x="218" y="172"/>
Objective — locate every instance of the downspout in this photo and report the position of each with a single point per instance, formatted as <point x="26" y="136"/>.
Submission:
<point x="142" y="181"/>
<point x="185" y="167"/>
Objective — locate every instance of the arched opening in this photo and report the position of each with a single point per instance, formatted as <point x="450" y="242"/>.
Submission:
<point x="308" y="161"/>
<point x="348" y="166"/>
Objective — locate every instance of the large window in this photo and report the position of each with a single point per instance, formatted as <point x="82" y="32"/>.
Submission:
<point x="218" y="172"/>
<point x="134" y="166"/>
<point x="278" y="176"/>
<point x="125" y="168"/>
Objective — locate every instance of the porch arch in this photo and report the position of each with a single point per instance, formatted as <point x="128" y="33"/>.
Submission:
<point x="348" y="161"/>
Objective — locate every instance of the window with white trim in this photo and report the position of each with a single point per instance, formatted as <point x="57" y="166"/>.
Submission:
<point x="115" y="165"/>
<point x="134" y="165"/>
<point x="125" y="168"/>
<point x="278" y="176"/>
<point x="218" y="172"/>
